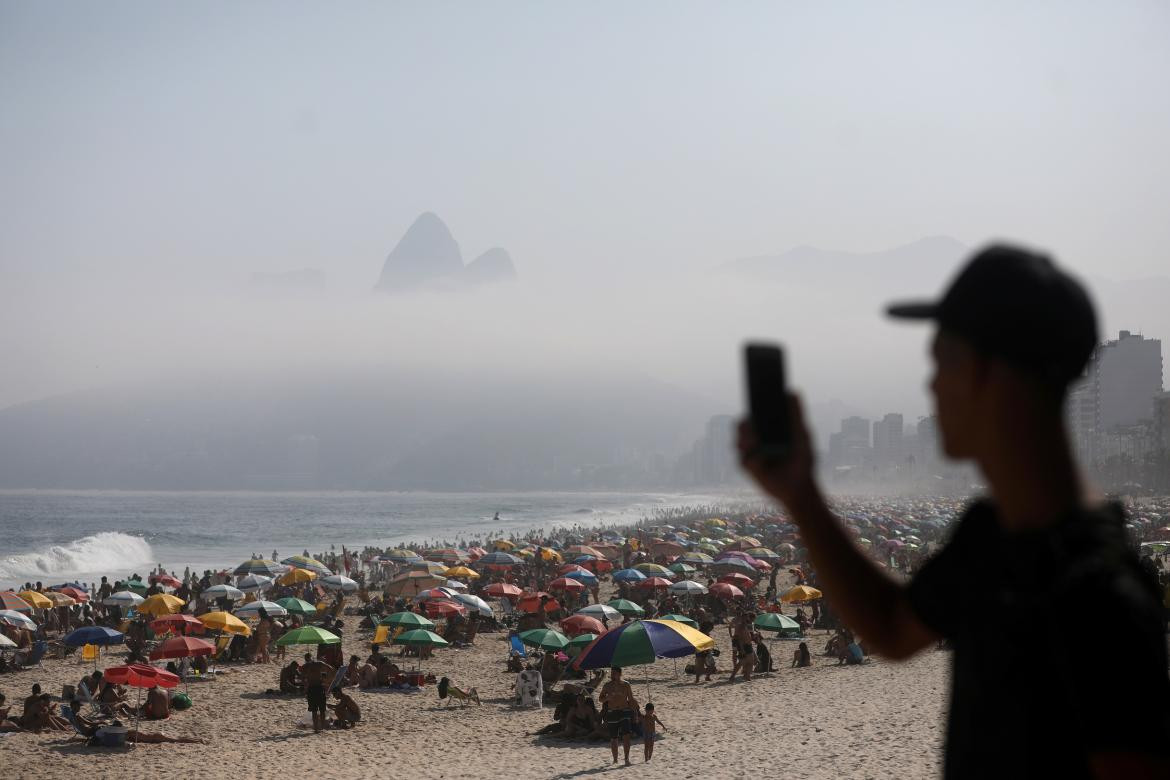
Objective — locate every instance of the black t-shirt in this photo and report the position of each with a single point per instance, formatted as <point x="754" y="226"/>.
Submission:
<point x="1059" y="646"/>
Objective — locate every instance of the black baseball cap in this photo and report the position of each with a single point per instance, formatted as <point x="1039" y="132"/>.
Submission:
<point x="1016" y="305"/>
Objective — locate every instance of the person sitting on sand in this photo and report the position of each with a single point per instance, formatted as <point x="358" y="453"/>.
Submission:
<point x="387" y="671"/>
<point x="345" y="710"/>
<point x="367" y="676"/>
<point x="353" y="670"/>
<point x="801" y="656"/>
<point x="6" y="724"/>
<point x="763" y="656"/>
<point x="158" y="704"/>
<point x="90" y="728"/>
<point x="113" y="702"/>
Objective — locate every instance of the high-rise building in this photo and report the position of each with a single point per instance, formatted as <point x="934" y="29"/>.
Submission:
<point x="887" y="439"/>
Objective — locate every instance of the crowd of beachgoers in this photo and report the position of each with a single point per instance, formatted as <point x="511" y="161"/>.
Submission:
<point x="720" y="590"/>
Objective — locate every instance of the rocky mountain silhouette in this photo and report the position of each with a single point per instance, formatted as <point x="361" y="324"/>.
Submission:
<point x="428" y="256"/>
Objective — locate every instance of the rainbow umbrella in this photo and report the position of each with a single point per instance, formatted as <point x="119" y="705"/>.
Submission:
<point x="641" y="642"/>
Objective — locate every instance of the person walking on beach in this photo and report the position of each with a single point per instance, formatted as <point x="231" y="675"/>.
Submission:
<point x="317" y="675"/>
<point x="617" y="699"/>
<point x="650" y="722"/>
<point x="1028" y="699"/>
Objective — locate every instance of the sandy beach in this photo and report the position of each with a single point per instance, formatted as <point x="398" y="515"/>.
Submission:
<point x="880" y="719"/>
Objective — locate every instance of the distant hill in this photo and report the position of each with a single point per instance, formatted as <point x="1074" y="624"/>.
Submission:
<point x="427" y="256"/>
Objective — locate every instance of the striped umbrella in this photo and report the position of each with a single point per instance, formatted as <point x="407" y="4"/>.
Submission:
<point x="254" y="583"/>
<point x="308" y="563"/>
<point x="252" y="609"/>
<point x="600" y="611"/>
<point x="261" y="566"/>
<point x="124" y="599"/>
<point x="13" y="618"/>
<point x="628" y="575"/>
<point x="10" y="600"/>
<point x="641" y="642"/>
<point x="688" y="588"/>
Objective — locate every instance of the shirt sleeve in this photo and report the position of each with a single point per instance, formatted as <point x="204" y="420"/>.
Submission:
<point x="936" y="591"/>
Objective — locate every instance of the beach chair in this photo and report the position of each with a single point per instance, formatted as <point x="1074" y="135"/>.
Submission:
<point x="381" y="635"/>
<point x="221" y="647"/>
<point x="89" y="653"/>
<point x="36" y="654"/>
<point x="518" y="647"/>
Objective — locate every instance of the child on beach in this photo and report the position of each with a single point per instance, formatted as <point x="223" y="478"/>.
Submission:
<point x="649" y="723"/>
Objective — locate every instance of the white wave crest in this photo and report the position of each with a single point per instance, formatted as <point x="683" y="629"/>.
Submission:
<point x="108" y="552"/>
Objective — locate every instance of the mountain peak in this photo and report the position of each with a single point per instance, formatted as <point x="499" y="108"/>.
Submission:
<point x="426" y="251"/>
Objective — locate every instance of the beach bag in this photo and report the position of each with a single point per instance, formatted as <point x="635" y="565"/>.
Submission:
<point x="181" y="701"/>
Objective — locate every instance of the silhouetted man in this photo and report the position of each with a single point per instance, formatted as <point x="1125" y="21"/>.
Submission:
<point x="1036" y="692"/>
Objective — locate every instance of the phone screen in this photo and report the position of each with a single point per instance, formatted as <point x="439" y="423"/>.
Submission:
<point x="768" y="399"/>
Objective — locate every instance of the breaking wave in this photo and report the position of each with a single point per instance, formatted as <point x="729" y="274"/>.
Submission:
<point x="107" y="552"/>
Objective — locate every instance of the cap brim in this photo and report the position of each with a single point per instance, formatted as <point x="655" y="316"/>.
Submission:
<point x="913" y="311"/>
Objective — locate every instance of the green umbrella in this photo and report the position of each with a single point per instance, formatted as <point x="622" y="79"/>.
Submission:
<point x="420" y="637"/>
<point x="774" y="621"/>
<point x="138" y="586"/>
<point x="682" y="568"/>
<point x="544" y="638"/>
<point x="308" y="635"/>
<point x="295" y="606"/>
<point x="411" y="619"/>
<point x="680" y="619"/>
<point x="582" y="640"/>
<point x="626" y="607"/>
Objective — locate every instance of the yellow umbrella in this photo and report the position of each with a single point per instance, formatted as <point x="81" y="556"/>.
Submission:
<point x="38" y="600"/>
<point x="161" y="604"/>
<point x="800" y="593"/>
<point x="295" y="576"/>
<point x="503" y="545"/>
<point x="226" y="622"/>
<point x="549" y="554"/>
<point x="59" y="599"/>
<point x="461" y="571"/>
<point x="717" y="522"/>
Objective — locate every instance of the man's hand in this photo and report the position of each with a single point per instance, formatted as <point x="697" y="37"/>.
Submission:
<point x="790" y="480"/>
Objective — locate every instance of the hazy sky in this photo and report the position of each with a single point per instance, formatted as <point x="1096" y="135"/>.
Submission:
<point x="152" y="146"/>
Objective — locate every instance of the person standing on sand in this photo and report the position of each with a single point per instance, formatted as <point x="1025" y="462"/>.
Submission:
<point x="1027" y="699"/>
<point x="617" y="699"/>
<point x="316" y="674"/>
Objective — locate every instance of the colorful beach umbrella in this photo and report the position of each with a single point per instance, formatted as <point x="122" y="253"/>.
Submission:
<point x="682" y="569"/>
<point x="653" y="570"/>
<point x="412" y="583"/>
<point x="177" y="624"/>
<point x="261" y="566"/>
<point x="420" y="637"/>
<point x="161" y="604"/>
<point x="17" y="619"/>
<point x="653" y="583"/>
<point x="308" y="635"/>
<point x="582" y="624"/>
<point x="687" y="588"/>
<point x="498" y="559"/>
<point x="339" y="582"/>
<point x="10" y="600"/>
<point x="544" y="638"/>
<point x="641" y="642"/>
<point x="626" y="607"/>
<point x="308" y="564"/>
<point x="462" y="571"/>
<point x="182" y="647"/>
<point x="400" y="555"/>
<point x="75" y="593"/>
<point x="475" y="602"/>
<point x="502" y="590"/>
<point x="60" y="599"/>
<point x="165" y="580"/>
<point x="37" y="600"/>
<point x="296" y="576"/>
<point x="140" y="676"/>
<point x="252" y="609"/>
<point x="581" y="641"/>
<point x="600" y="611"/>
<point x="138" y="586"/>
<point x="566" y="584"/>
<point x="726" y="590"/>
<point x="799" y="594"/>
<point x="628" y="575"/>
<point x="124" y="599"/>
<point x="226" y="622"/>
<point x="254" y="583"/>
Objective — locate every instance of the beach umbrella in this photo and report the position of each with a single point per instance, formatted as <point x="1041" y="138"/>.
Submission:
<point x="59" y="599"/>
<point x="443" y="609"/>
<point x="503" y="545"/>
<point x="462" y="571"/>
<point x="75" y="593"/>
<point x="582" y="624"/>
<point x="296" y="576"/>
<point x="736" y="566"/>
<point x="448" y="555"/>
<point x="399" y="556"/>
<point x="475" y="602"/>
<point x="140" y="676"/>
<point x="226" y="622"/>
<point x="774" y="621"/>
<point x="682" y="569"/>
<point x="544" y="638"/>
<point x="566" y="584"/>
<point x="653" y="570"/>
<point x="339" y="582"/>
<point x="261" y="566"/>
<point x="182" y="647"/>
<point x="498" y="559"/>
<point x="707" y="547"/>
<point x="161" y="604"/>
<point x="628" y="575"/>
<point x="254" y="583"/>
<point x="178" y="624"/>
<point x="165" y="580"/>
<point x="686" y="621"/>
<point x="579" y="642"/>
<point x="138" y="586"/>
<point x="124" y="599"/>
<point x="252" y="609"/>
<point x="549" y="554"/>
<point x="597" y="565"/>
<point x="763" y="554"/>
<point x="626" y="607"/>
<point x="800" y="593"/>
<point x="600" y="611"/>
<point x="17" y="619"/>
<point x="407" y="619"/>
<point x="737" y="579"/>
<point x="229" y="592"/>
<point x="530" y="602"/>
<point x="688" y="588"/>
<point x="308" y="564"/>
<point x="725" y="590"/>
<point x="653" y="583"/>
<point x="295" y="606"/>
<point x="6" y="643"/>
<point x="413" y="582"/>
<point x="586" y="577"/>
<point x="641" y="642"/>
<point x="696" y="559"/>
<point x="37" y="600"/>
<point x="502" y="589"/>
<point x="454" y="585"/>
<point x="430" y="567"/>
<point x="308" y="635"/>
<point x="420" y="638"/>
<point x="94" y="635"/>
<point x="434" y="594"/>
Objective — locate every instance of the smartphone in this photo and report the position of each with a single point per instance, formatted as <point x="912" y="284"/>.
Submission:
<point x="768" y="399"/>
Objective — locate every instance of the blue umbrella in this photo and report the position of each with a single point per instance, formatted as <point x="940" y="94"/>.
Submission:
<point x="94" y="635"/>
<point x="628" y="575"/>
<point x="498" y="559"/>
<point x="587" y="577"/>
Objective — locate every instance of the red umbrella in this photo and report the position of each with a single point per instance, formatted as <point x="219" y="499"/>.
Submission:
<point x="443" y="608"/>
<point x="164" y="579"/>
<point x="654" y="582"/>
<point x="501" y="589"/>
<point x="73" y="593"/>
<point x="597" y="565"/>
<point x="739" y="580"/>
<point x="726" y="591"/>
<point x="571" y="567"/>
<point x="531" y="603"/>
<point x="178" y="624"/>
<point x="141" y="676"/>
<point x="582" y="624"/>
<point x="182" y="647"/>
<point x="564" y="583"/>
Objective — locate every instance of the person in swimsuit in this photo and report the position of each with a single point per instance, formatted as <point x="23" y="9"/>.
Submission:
<point x="617" y="698"/>
<point x="650" y="722"/>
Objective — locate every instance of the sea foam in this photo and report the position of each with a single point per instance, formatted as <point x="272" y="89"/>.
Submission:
<point x="108" y="552"/>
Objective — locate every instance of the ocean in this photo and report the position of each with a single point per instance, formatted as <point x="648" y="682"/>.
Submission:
<point x="56" y="536"/>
